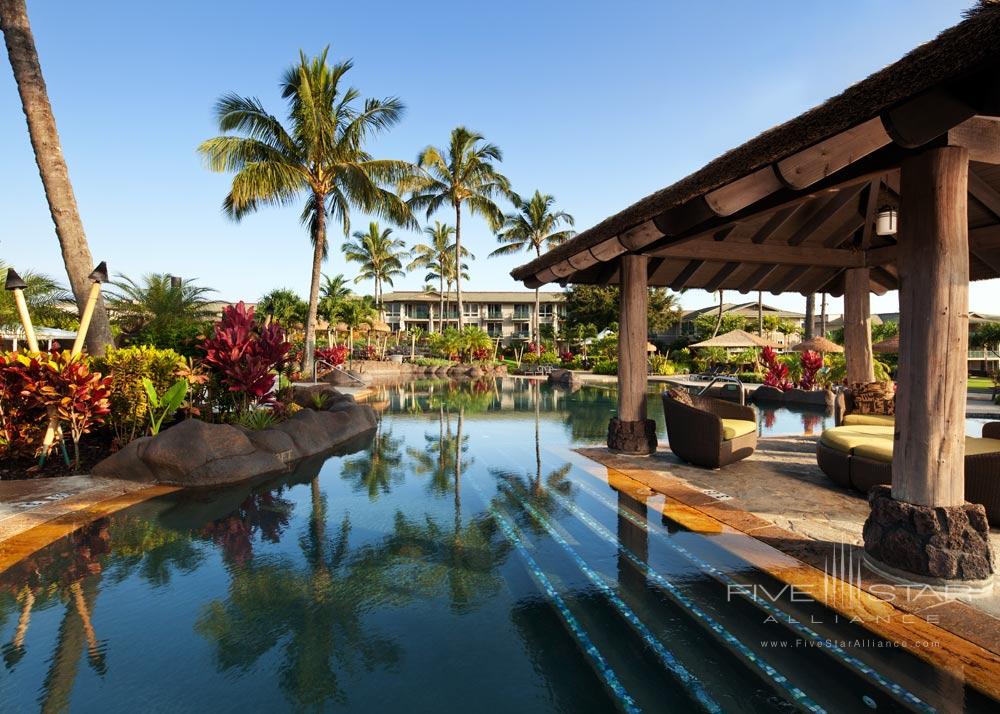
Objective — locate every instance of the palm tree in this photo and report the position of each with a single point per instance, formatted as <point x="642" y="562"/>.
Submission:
<point x="158" y="306"/>
<point x="433" y="254"/>
<point x="463" y="174"/>
<point x="718" y="320"/>
<point x="284" y="306"/>
<point x="320" y="155"/>
<point x="52" y="165"/>
<point x="533" y="225"/>
<point x="332" y="294"/>
<point x="45" y="298"/>
<point x="379" y="255"/>
<point x="451" y="275"/>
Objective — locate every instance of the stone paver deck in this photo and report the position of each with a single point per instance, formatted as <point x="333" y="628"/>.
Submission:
<point x="780" y="498"/>
<point x="36" y="512"/>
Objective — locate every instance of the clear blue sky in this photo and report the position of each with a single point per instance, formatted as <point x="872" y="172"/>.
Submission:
<point x="598" y="103"/>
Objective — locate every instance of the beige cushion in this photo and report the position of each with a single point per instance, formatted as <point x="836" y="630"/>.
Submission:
<point x="869" y="420"/>
<point x="731" y="428"/>
<point x="848" y="438"/>
<point x="877" y="445"/>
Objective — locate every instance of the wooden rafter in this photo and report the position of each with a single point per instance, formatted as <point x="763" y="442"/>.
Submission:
<point x="720" y="277"/>
<point x="839" y="199"/>
<point x="761" y="254"/>
<point x="984" y="193"/>
<point x="681" y="281"/>
<point x="757" y="277"/>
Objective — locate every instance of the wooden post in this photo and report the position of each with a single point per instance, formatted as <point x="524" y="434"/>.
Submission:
<point x="928" y="466"/>
<point x="631" y="432"/>
<point x="632" y="339"/>
<point x="857" y="327"/>
<point x="22" y="312"/>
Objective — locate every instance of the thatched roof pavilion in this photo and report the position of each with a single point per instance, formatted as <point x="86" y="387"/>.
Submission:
<point x="735" y="339"/>
<point x="818" y="344"/>
<point x="890" y="345"/>
<point x="810" y="206"/>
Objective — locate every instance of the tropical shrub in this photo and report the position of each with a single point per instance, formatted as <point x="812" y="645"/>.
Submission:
<point x="22" y="420"/>
<point x="128" y="367"/>
<point x="812" y="362"/>
<point x="246" y="356"/>
<point x="83" y="396"/>
<point x="659" y="364"/>
<point x="257" y="419"/>
<point x="776" y="374"/>
<point x="606" y="367"/>
<point x="333" y="355"/>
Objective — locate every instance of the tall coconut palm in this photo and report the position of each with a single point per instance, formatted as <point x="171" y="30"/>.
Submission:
<point x="453" y="272"/>
<point x="463" y="174"/>
<point x="533" y="225"/>
<point x="718" y="319"/>
<point x="433" y="254"/>
<point x="379" y="255"/>
<point x="51" y="165"/>
<point x="332" y="294"/>
<point x="320" y="155"/>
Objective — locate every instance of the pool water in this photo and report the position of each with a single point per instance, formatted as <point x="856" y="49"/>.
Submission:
<point x="462" y="558"/>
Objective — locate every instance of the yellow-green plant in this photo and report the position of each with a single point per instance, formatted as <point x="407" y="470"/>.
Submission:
<point x="127" y="367"/>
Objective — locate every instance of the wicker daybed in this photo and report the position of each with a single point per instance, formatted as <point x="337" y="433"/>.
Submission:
<point x="860" y="456"/>
<point x="709" y="432"/>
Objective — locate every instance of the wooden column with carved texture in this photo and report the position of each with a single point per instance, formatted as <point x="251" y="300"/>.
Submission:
<point x="631" y="432"/>
<point x="928" y="466"/>
<point x="857" y="327"/>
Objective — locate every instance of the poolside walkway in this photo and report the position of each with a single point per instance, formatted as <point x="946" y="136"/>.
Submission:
<point x="36" y="512"/>
<point x="780" y="498"/>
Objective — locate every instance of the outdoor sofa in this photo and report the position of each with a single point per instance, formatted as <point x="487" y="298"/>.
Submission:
<point x="859" y="456"/>
<point x="708" y="432"/>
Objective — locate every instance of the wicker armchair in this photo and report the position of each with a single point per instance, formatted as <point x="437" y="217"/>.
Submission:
<point x="843" y="405"/>
<point x="695" y="433"/>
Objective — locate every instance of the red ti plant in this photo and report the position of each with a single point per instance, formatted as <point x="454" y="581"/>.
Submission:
<point x="245" y="355"/>
<point x="333" y="355"/>
<point x="83" y="398"/>
<point x="777" y="372"/>
<point x="812" y="363"/>
<point x="21" y="419"/>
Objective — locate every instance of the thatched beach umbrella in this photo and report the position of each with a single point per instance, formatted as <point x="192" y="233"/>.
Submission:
<point x="890" y="345"/>
<point x="737" y="339"/>
<point x="818" y="344"/>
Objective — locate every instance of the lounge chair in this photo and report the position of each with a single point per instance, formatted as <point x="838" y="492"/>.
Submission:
<point x="709" y="432"/>
<point x="846" y="414"/>
<point x="860" y="456"/>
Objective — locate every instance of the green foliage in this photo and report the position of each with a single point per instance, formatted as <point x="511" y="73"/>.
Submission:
<point x="333" y="291"/>
<point x="158" y="313"/>
<point x="835" y="371"/>
<point x="45" y="298"/>
<point x="606" y="366"/>
<point x="257" y="419"/>
<point x="986" y="334"/>
<point x="704" y="324"/>
<point x="163" y="405"/>
<point x="659" y="364"/>
<point x="605" y="349"/>
<point x="432" y="362"/>
<point x="599" y="305"/>
<point x="473" y="344"/>
<point x="286" y="307"/>
<point x="319" y="400"/>
<point x="128" y="367"/>
<point x="533" y="226"/>
<point x="548" y="358"/>
<point x="708" y="357"/>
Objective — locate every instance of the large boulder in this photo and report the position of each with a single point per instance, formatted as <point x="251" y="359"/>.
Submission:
<point x="197" y="454"/>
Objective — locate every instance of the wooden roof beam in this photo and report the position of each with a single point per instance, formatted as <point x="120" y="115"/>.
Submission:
<point x="839" y="199"/>
<point x="720" y="277"/>
<point x="765" y="254"/>
<point x="774" y="223"/>
<point x="757" y="277"/>
<point x="981" y="136"/>
<point x="845" y="231"/>
<point x="827" y="157"/>
<point x="681" y="281"/>
<point x="984" y="193"/>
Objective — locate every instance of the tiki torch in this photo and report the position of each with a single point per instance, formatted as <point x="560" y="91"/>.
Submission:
<point x="15" y="283"/>
<point x="98" y="276"/>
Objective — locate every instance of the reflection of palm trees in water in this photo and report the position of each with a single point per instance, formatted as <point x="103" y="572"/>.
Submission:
<point x="263" y="512"/>
<point x="378" y="467"/>
<point x="533" y="487"/>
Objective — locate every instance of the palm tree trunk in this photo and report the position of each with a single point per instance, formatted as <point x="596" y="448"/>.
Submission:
<point x="822" y="316"/>
<point x="52" y="165"/>
<point x="441" y="301"/>
<point x="718" y="322"/>
<point x="458" y="263"/>
<point x="760" y="313"/>
<point x="538" y="327"/>
<point x="810" y="316"/>
<point x="319" y="242"/>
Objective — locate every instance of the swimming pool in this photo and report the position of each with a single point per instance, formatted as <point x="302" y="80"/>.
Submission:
<point x="464" y="558"/>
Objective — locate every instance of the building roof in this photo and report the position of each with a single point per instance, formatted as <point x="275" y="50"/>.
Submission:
<point x="792" y="209"/>
<point x="747" y="308"/>
<point x="512" y="296"/>
<point x="735" y="339"/>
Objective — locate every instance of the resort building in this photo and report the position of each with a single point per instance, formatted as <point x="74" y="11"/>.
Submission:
<point x="687" y="329"/>
<point x="507" y="315"/>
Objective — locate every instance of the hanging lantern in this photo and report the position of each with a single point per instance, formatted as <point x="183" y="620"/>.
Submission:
<point x="885" y="223"/>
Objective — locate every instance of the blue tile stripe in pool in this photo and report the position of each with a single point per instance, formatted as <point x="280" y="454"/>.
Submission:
<point x="871" y="674"/>
<point x="797" y="694"/>
<point x="625" y="700"/>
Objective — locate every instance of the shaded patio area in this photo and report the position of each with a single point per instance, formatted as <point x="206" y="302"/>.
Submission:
<point x="780" y="498"/>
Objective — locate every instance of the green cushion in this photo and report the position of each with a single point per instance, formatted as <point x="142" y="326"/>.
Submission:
<point x="869" y="420"/>
<point x="976" y="447"/>
<point x="848" y="438"/>
<point x="731" y="428"/>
